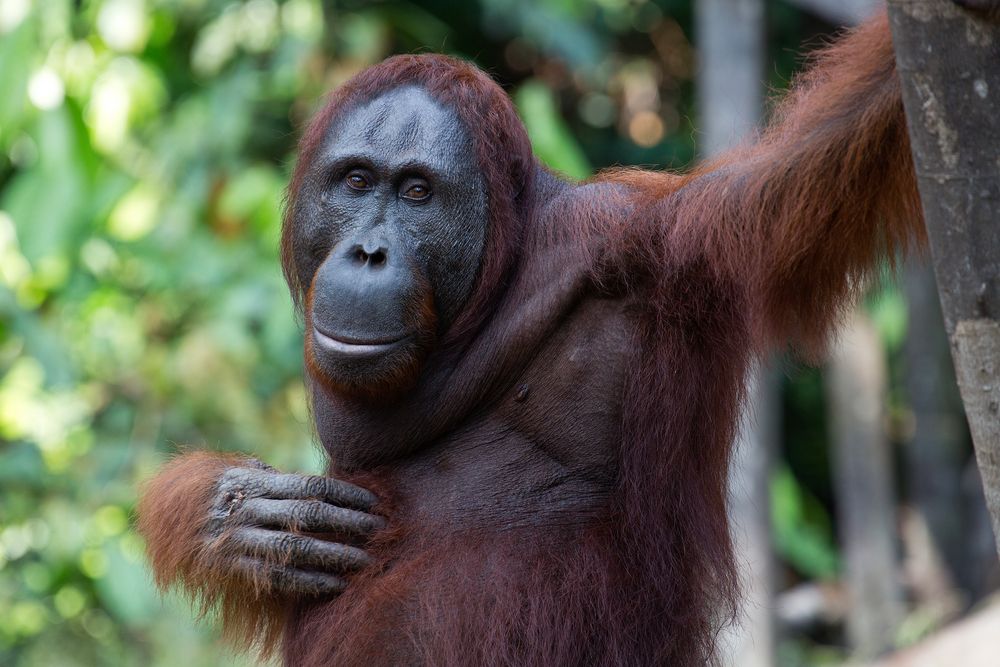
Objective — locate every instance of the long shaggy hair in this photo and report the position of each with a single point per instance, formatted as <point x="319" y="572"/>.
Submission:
<point x="764" y="247"/>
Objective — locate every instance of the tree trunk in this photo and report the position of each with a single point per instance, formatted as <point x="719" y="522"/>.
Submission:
<point x="949" y="64"/>
<point x="730" y="92"/>
<point x="751" y="643"/>
<point x="935" y="452"/>
<point x="856" y="386"/>
<point x="730" y="40"/>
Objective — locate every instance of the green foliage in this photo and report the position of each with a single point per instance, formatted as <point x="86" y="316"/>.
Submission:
<point x="887" y="309"/>
<point x="550" y="138"/>
<point x="801" y="528"/>
<point x="141" y="300"/>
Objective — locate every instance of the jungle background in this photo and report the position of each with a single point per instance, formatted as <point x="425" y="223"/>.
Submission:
<point x="144" y="149"/>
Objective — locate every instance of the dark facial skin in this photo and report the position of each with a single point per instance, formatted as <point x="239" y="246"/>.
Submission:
<point x="389" y="235"/>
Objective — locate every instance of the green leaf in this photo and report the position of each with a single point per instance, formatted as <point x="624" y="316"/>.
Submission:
<point x="17" y="54"/>
<point x="49" y="201"/>
<point x="127" y="590"/>
<point x="801" y="528"/>
<point x="550" y="137"/>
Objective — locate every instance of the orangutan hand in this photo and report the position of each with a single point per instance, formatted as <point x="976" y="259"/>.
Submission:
<point x="257" y="519"/>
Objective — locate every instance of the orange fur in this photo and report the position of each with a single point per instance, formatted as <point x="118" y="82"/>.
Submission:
<point x="764" y="247"/>
<point x="173" y="513"/>
<point x="801" y="217"/>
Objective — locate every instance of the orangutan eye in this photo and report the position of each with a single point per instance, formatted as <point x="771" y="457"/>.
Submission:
<point x="415" y="190"/>
<point x="357" y="180"/>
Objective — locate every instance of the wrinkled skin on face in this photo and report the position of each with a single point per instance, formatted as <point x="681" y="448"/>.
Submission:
<point x="388" y="233"/>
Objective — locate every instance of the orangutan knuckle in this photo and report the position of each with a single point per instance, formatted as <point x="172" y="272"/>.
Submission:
<point x="232" y="475"/>
<point x="284" y="543"/>
<point x="311" y="513"/>
<point x="315" y="487"/>
<point x="256" y="464"/>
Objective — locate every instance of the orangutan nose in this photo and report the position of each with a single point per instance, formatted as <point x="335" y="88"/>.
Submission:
<point x="370" y="254"/>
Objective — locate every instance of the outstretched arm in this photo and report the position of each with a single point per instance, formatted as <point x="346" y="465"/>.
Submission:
<point x="800" y="219"/>
<point x="235" y="534"/>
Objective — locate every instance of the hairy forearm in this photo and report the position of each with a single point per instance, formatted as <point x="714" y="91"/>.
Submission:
<point x="174" y="513"/>
<point x="244" y="539"/>
<point x="826" y="194"/>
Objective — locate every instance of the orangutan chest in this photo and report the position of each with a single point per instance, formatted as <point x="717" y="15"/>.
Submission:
<point x="548" y="451"/>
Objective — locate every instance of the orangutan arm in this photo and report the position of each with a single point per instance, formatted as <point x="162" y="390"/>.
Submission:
<point x="800" y="219"/>
<point x="803" y="217"/>
<point x="226" y="529"/>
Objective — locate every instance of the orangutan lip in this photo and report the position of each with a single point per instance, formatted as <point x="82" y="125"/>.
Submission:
<point x="354" y="346"/>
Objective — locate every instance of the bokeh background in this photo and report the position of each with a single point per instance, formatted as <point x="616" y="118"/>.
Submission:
<point x="144" y="149"/>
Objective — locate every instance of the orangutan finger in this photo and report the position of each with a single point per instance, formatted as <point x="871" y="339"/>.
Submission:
<point x="291" y="580"/>
<point x="299" y="551"/>
<point x="286" y="486"/>
<point x="334" y="491"/>
<point x="313" y="516"/>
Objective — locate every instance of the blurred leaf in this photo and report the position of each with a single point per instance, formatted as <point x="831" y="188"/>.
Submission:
<point x="418" y="24"/>
<point x="363" y="36"/>
<point x="127" y="591"/>
<point x="49" y="201"/>
<point x="17" y="56"/>
<point x="555" y="26"/>
<point x="20" y="464"/>
<point x="550" y="137"/>
<point x="888" y="311"/>
<point x="801" y="528"/>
